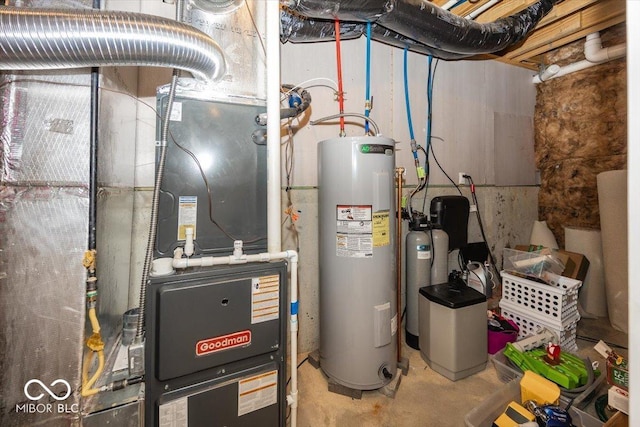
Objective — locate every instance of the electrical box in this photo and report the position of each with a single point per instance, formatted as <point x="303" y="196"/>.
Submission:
<point x="216" y="347"/>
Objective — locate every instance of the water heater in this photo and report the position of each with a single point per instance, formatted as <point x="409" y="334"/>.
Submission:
<point x="356" y="209"/>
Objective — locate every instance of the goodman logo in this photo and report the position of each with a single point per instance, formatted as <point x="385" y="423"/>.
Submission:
<point x="33" y="390"/>
<point x="223" y="342"/>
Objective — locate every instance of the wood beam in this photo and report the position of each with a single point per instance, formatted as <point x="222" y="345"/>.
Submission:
<point x="590" y="19"/>
<point x="571" y="38"/>
<point x="467" y="7"/>
<point x="504" y="8"/>
<point x="564" y="9"/>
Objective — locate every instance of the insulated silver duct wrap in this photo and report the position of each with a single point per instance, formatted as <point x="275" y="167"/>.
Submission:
<point x="419" y="25"/>
<point x="40" y="39"/>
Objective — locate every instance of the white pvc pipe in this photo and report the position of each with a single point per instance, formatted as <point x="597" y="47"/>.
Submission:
<point x="594" y="53"/>
<point x="274" y="243"/>
<point x="188" y="243"/>
<point x="292" y="398"/>
<point x="448" y="5"/>
<point x="480" y="10"/>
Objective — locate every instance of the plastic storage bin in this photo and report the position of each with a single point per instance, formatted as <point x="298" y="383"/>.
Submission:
<point x="485" y="414"/>
<point x="536" y="264"/>
<point x="531" y="324"/>
<point x="503" y="368"/>
<point x="582" y="410"/>
<point x="556" y="301"/>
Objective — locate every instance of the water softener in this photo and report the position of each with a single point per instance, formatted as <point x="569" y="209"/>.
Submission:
<point x="357" y="244"/>
<point x="440" y="255"/>
<point x="418" y="270"/>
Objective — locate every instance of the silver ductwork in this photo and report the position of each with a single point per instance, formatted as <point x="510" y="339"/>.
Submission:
<point x="418" y="25"/>
<point x="45" y="39"/>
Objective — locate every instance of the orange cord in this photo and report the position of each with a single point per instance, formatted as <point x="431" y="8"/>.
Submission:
<point x="339" y="62"/>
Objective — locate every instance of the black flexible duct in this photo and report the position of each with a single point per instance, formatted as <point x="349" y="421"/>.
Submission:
<point x="419" y="25"/>
<point x="440" y="29"/>
<point x="298" y="29"/>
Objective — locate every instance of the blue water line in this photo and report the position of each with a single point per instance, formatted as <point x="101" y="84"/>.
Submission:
<point x="407" y="103"/>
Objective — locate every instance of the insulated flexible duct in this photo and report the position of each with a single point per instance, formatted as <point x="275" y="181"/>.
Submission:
<point x="419" y="25"/>
<point x="44" y="39"/>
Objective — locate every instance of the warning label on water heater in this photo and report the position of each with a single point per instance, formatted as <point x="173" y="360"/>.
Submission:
<point x="354" y="231"/>
<point x="381" y="235"/>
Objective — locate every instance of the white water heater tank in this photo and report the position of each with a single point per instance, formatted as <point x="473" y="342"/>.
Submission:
<point x="357" y="244"/>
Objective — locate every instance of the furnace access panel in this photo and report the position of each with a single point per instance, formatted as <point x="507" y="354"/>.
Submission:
<point x="216" y="347"/>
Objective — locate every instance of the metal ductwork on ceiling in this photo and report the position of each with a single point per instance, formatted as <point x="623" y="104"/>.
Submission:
<point x="418" y="25"/>
<point x="46" y="39"/>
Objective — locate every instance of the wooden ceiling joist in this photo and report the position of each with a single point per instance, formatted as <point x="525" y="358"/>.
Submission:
<point x="568" y="21"/>
<point x="573" y="27"/>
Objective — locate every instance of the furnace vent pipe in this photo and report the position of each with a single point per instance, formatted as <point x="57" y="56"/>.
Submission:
<point x="594" y="54"/>
<point x="45" y="39"/>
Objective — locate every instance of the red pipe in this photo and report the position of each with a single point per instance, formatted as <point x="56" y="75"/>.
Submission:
<point x="339" y="63"/>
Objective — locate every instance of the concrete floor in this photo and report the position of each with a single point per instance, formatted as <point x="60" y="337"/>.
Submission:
<point x="424" y="397"/>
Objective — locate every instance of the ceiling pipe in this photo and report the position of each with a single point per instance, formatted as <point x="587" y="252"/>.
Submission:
<point x="594" y="55"/>
<point x="479" y="11"/>
<point x="448" y="5"/>
<point x="274" y="240"/>
<point x="47" y="39"/>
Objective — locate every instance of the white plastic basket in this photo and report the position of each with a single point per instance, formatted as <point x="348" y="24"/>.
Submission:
<point x="531" y="324"/>
<point x="555" y="301"/>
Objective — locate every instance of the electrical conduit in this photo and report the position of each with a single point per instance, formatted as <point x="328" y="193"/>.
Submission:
<point x="155" y="201"/>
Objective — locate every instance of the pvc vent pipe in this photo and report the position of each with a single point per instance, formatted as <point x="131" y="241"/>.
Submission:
<point x="480" y="10"/>
<point x="594" y="54"/>
<point x="46" y="39"/>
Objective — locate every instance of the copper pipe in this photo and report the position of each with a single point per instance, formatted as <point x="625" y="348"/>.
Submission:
<point x="399" y="175"/>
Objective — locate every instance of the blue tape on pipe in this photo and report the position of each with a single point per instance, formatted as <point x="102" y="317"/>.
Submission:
<point x="294" y="308"/>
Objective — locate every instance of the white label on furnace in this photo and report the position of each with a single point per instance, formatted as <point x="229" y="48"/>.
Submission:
<point x="174" y="413"/>
<point x="187" y="215"/>
<point x="265" y="298"/>
<point x="176" y="112"/>
<point x="257" y="392"/>
<point x="354" y="231"/>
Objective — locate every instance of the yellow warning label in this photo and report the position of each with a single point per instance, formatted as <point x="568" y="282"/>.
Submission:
<point x="381" y="232"/>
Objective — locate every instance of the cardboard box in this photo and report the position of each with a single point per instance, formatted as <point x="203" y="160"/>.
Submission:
<point x="575" y="265"/>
